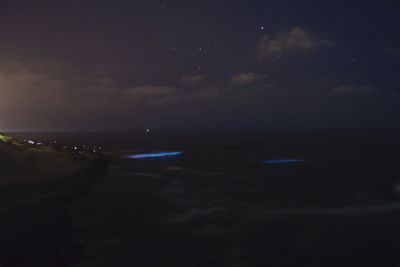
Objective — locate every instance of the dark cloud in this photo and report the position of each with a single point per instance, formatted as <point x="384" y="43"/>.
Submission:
<point x="247" y="78"/>
<point x="43" y="95"/>
<point x="150" y="91"/>
<point x="295" y="40"/>
<point x="355" y="91"/>
<point x="392" y="50"/>
<point x="192" y="80"/>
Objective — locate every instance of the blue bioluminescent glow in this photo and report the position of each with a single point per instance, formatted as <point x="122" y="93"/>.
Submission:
<point x="156" y="155"/>
<point x="282" y="161"/>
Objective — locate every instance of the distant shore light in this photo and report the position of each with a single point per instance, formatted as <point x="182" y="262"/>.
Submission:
<point x="156" y="155"/>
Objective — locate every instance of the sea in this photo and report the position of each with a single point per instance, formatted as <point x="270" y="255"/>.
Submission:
<point x="229" y="198"/>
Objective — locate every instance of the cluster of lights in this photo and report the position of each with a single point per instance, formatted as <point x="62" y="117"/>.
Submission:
<point x="77" y="150"/>
<point x="34" y="143"/>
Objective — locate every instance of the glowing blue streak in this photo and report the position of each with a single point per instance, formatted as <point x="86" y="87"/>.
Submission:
<point x="282" y="161"/>
<point x="156" y="155"/>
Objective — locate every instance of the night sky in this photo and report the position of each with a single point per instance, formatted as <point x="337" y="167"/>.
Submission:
<point x="132" y="65"/>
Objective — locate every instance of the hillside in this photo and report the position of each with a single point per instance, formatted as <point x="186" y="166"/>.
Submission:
<point x="36" y="185"/>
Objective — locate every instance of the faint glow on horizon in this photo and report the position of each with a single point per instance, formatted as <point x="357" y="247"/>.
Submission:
<point x="282" y="161"/>
<point x="156" y="155"/>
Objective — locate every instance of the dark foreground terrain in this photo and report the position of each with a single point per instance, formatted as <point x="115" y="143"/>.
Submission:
<point x="36" y="185"/>
<point x="217" y="204"/>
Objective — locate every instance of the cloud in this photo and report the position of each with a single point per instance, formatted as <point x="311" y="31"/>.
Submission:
<point x="247" y="78"/>
<point x="39" y="95"/>
<point x="149" y="91"/>
<point x="295" y="40"/>
<point x="392" y="50"/>
<point x="43" y="95"/>
<point x="192" y="80"/>
<point x="19" y="86"/>
<point x="355" y="90"/>
<point x="157" y="95"/>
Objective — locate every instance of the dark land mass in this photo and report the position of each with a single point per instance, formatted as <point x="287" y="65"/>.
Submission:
<point x="36" y="186"/>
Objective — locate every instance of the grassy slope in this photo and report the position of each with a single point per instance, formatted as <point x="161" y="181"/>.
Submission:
<point x="35" y="184"/>
<point x="23" y="167"/>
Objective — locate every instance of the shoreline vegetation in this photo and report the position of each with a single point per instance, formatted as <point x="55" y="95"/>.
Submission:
<point x="37" y="184"/>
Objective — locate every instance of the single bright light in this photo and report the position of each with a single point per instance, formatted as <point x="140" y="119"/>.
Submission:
<point x="4" y="138"/>
<point x="156" y="155"/>
<point x="282" y="161"/>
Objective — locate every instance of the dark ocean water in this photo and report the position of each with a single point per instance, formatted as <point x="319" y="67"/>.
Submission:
<point x="341" y="167"/>
<point x="219" y="203"/>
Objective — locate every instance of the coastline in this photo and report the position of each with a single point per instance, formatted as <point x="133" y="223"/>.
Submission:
<point x="37" y="185"/>
<point x="217" y="205"/>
